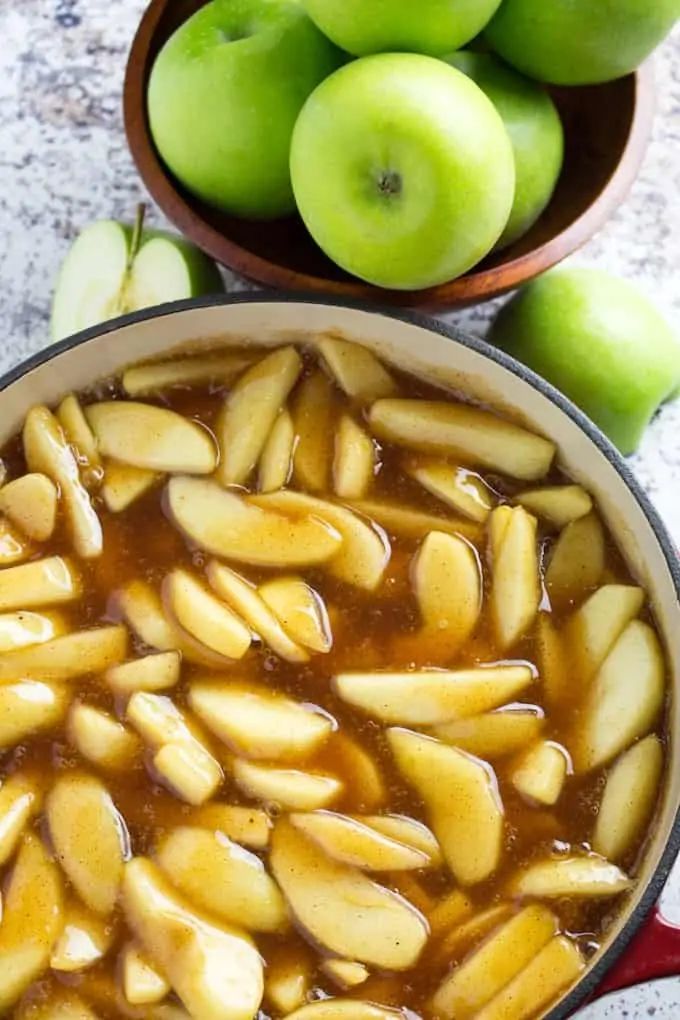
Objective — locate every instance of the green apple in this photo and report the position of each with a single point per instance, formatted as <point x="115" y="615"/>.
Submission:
<point x="113" y="268"/>
<point x="596" y="338"/>
<point x="580" y="42"/>
<point x="422" y="26"/>
<point x="402" y="170"/>
<point x="224" y="94"/>
<point x="535" y="130"/>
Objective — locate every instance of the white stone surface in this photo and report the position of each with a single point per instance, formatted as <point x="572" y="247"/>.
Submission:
<point x="64" y="162"/>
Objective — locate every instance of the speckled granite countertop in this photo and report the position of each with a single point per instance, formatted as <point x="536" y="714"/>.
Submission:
<point x="64" y="162"/>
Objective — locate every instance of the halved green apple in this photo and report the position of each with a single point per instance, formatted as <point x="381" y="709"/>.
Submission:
<point x="104" y="275"/>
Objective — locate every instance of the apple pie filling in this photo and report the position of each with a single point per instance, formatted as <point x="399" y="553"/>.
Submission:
<point x="323" y="696"/>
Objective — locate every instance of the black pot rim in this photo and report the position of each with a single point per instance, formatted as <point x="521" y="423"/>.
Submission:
<point x="587" y="986"/>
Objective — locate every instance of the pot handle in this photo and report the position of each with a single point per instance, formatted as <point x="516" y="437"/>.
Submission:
<point x="653" y="953"/>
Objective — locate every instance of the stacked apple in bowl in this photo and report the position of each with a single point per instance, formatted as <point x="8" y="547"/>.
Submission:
<point x="408" y="159"/>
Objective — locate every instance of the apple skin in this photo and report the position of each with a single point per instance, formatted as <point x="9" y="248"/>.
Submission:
<point x="533" y="123"/>
<point x="600" y="342"/>
<point x="433" y="27"/>
<point x="402" y="170"/>
<point x="223" y="97"/>
<point x="579" y="42"/>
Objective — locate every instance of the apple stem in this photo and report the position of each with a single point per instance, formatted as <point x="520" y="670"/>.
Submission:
<point x="136" y="233"/>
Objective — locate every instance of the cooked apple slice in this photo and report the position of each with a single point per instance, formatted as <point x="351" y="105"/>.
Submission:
<point x="494" y="734"/>
<point x="180" y="760"/>
<point x="47" y="582"/>
<point x="259" y="724"/>
<point x="464" y="936"/>
<point x="341" y="909"/>
<point x="276" y="460"/>
<point x="189" y="771"/>
<point x="143" y="983"/>
<point x="28" y="707"/>
<point x="351" y="842"/>
<point x="71" y="417"/>
<point x="89" y="838"/>
<point x="476" y="436"/>
<point x="30" y="502"/>
<point x="354" y="461"/>
<point x="360" y="770"/>
<point x="219" y="367"/>
<point x="206" y="618"/>
<point x="576" y="562"/>
<point x="554" y="662"/>
<point x="14" y="547"/>
<point x="227" y="525"/>
<point x="143" y="611"/>
<point x="288" y="978"/>
<point x="157" y="720"/>
<point x="624" y="701"/>
<point x="150" y="673"/>
<point x="588" y="876"/>
<point x="464" y="805"/>
<point x="101" y="739"/>
<point x="69" y="656"/>
<point x="408" y="522"/>
<point x="20" y="800"/>
<point x="31" y="921"/>
<point x="448" y="911"/>
<point x="85" y="938"/>
<point x="345" y="973"/>
<point x="300" y="610"/>
<point x="47" y="452"/>
<point x="124" y="484"/>
<point x="151" y="437"/>
<point x="407" y="831"/>
<point x="292" y="789"/>
<point x="559" y="505"/>
<point x="498" y="960"/>
<point x="215" y="970"/>
<point x="221" y="877"/>
<point x="314" y="412"/>
<point x="364" y="553"/>
<point x="447" y="580"/>
<point x="628" y="800"/>
<point x="431" y="697"/>
<point x="515" y="591"/>
<point x="243" y="598"/>
<point x="596" y="626"/>
<point x="344" y="1009"/>
<point x="541" y="772"/>
<point x="22" y="629"/>
<point x="250" y="411"/>
<point x="552" y="970"/>
<point x="355" y="369"/>
<point x="460" y="489"/>
<point x="249" y="826"/>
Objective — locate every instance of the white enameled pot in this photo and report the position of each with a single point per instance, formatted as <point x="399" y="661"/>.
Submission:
<point x="640" y="944"/>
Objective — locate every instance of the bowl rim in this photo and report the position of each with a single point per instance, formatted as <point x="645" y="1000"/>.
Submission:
<point x="471" y="288"/>
<point x="586" y="987"/>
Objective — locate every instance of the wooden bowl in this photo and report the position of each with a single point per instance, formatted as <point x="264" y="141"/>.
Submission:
<point x="606" y="129"/>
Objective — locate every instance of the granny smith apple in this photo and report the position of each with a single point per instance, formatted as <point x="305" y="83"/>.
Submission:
<point x="600" y="341"/>
<point x="533" y="123"/>
<point x="112" y="269"/>
<point x="421" y="26"/>
<point x="580" y="42"/>
<point x="224" y="94"/>
<point x="402" y="170"/>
